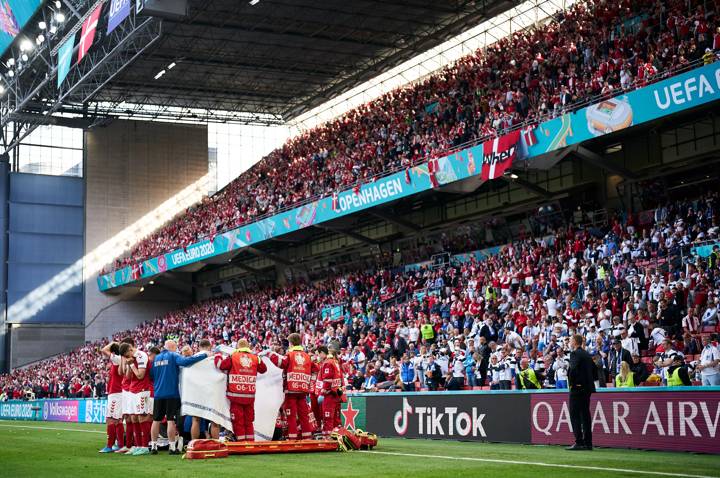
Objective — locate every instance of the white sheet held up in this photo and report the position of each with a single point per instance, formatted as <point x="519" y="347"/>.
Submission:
<point x="269" y="398"/>
<point x="203" y="391"/>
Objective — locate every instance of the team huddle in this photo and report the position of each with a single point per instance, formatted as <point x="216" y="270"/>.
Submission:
<point x="144" y="393"/>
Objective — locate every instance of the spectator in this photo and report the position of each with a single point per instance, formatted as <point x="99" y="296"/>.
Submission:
<point x="626" y="378"/>
<point x="618" y="355"/>
<point x="709" y="366"/>
<point x="432" y="374"/>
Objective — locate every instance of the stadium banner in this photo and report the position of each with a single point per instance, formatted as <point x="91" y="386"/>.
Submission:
<point x="18" y="410"/>
<point x="333" y="313"/>
<point x="678" y="93"/>
<point x="60" y="410"/>
<point x="445" y="415"/>
<point x="681" y="92"/>
<point x="705" y="250"/>
<point x="92" y="410"/>
<point x="662" y="420"/>
<point x="119" y="11"/>
<point x="353" y="413"/>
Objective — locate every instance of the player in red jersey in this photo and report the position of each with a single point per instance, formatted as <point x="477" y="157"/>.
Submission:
<point x="140" y="396"/>
<point x="126" y="405"/>
<point x="114" y="412"/>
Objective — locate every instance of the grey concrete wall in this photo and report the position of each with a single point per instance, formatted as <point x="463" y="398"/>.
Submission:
<point x="29" y="343"/>
<point x="131" y="168"/>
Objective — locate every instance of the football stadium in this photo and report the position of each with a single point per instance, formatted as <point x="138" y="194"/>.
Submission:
<point x="360" y="238"/>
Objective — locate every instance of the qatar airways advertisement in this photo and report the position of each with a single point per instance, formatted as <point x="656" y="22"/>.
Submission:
<point x="673" y="421"/>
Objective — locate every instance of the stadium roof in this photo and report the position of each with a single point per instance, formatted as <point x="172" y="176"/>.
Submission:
<point x="284" y="57"/>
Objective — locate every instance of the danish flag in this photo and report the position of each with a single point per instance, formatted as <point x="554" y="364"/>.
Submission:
<point x="433" y="168"/>
<point x="88" y="32"/>
<point x="498" y="155"/>
<point x="529" y="136"/>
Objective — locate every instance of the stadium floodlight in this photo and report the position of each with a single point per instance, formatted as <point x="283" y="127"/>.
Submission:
<point x="171" y="66"/>
<point x="152" y="282"/>
<point x="142" y="289"/>
<point x="11" y="73"/>
<point x="24" y="57"/>
<point x="160" y="74"/>
<point x="42" y="25"/>
<point x="40" y="39"/>
<point x="254" y="2"/>
<point x="26" y="45"/>
<point x="2" y="90"/>
<point x="58" y="4"/>
<point x="53" y="29"/>
<point x="60" y="17"/>
<point x="11" y="61"/>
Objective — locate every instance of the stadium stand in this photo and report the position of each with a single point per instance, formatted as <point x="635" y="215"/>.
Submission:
<point x="593" y="50"/>
<point x="634" y="279"/>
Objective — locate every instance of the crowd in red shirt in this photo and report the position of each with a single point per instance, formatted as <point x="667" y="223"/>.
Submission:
<point x="527" y="299"/>
<point x="593" y="48"/>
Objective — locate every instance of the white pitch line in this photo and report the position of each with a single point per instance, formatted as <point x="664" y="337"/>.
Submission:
<point x="548" y="465"/>
<point x="51" y="428"/>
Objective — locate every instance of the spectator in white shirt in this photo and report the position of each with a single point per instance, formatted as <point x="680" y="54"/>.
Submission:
<point x="709" y="365"/>
<point x="691" y="323"/>
<point x="561" y="366"/>
<point x="629" y="343"/>
<point x="495" y="371"/>
<point x="710" y="317"/>
<point x="513" y="338"/>
<point x="413" y="332"/>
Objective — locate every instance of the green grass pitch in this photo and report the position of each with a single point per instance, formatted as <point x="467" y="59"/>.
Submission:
<point x="40" y="449"/>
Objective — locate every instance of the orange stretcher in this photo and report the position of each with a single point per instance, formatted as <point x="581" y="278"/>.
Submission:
<point x="291" y="446"/>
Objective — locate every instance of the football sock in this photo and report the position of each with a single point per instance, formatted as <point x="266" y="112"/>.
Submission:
<point x="111" y="434"/>
<point x="120" y="434"/>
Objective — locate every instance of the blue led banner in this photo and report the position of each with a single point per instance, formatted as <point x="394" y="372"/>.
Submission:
<point x="681" y="92"/>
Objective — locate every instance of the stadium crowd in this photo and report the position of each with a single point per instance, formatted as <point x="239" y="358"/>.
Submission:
<point x="594" y="48"/>
<point x="632" y="288"/>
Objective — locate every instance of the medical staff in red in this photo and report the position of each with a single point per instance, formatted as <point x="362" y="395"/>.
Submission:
<point x="315" y="393"/>
<point x="332" y="388"/>
<point x="243" y="367"/>
<point x="298" y="367"/>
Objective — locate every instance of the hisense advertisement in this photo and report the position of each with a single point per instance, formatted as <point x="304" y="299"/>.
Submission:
<point x="14" y="15"/>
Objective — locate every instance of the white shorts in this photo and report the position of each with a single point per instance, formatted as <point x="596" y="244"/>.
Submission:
<point x="142" y="403"/>
<point x="127" y="402"/>
<point x="114" y="406"/>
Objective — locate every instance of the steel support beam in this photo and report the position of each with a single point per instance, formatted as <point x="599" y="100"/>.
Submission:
<point x="600" y="162"/>
<point x="533" y="188"/>
<point x="395" y="219"/>
<point x="33" y="98"/>
<point x="352" y="234"/>
<point x="246" y="268"/>
<point x="269" y="255"/>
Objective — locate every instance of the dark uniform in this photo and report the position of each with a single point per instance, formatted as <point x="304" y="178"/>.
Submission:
<point x="581" y="380"/>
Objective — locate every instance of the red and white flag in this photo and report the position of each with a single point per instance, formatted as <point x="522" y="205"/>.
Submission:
<point x="529" y="137"/>
<point x="335" y="201"/>
<point x="407" y="176"/>
<point x="433" y="168"/>
<point x="498" y="155"/>
<point x="88" y="33"/>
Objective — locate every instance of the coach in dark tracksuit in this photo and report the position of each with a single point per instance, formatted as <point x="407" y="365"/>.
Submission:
<point x="581" y="380"/>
